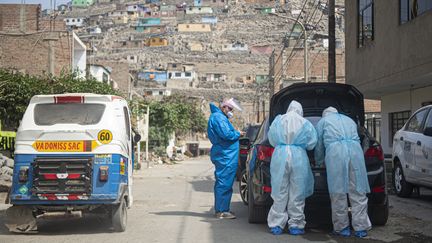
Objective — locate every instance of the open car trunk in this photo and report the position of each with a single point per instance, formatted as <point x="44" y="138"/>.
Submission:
<point x="314" y="98"/>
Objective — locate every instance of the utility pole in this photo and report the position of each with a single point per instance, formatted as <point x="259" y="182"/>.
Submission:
<point x="305" y="44"/>
<point x="332" y="43"/>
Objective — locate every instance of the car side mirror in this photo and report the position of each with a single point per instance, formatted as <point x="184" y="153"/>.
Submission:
<point x="137" y="138"/>
<point x="428" y="131"/>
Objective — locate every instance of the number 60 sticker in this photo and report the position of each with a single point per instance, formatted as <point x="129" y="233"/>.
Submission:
<point x="105" y="136"/>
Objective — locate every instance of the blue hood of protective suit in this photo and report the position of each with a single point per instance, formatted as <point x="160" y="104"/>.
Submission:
<point x="214" y="108"/>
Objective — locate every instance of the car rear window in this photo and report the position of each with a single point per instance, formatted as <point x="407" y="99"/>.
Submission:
<point x="69" y="113"/>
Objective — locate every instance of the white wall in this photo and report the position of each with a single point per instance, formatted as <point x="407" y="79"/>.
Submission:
<point x="78" y="22"/>
<point x="97" y="72"/>
<point x="182" y="75"/>
<point x="79" y="61"/>
<point x="403" y="101"/>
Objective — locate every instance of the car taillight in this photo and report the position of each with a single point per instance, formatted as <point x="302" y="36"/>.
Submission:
<point x="23" y="174"/>
<point x="265" y="153"/>
<point x="103" y="173"/>
<point x="267" y="189"/>
<point x="375" y="151"/>
<point x="243" y="151"/>
<point x="378" y="189"/>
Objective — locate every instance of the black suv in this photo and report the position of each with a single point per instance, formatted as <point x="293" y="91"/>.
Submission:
<point x="251" y="132"/>
<point x="315" y="97"/>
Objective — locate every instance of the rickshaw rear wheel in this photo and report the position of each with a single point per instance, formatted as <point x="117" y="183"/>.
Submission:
<point x="119" y="216"/>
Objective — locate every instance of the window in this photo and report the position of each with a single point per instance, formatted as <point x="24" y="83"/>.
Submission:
<point x="132" y="57"/>
<point x="373" y="125"/>
<point x="365" y="21"/>
<point x="410" y="9"/>
<point x="428" y="123"/>
<point x="160" y="92"/>
<point x="73" y="20"/>
<point x="397" y="120"/>
<point x="177" y="74"/>
<point x="174" y="65"/>
<point x="415" y="123"/>
<point x="187" y="26"/>
<point x="73" y="113"/>
<point x="78" y="20"/>
<point x="67" y="20"/>
<point x="153" y="40"/>
<point x="126" y="114"/>
<point x="188" y="74"/>
<point x="105" y="78"/>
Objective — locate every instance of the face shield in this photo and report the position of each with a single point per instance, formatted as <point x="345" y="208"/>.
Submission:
<point x="233" y="104"/>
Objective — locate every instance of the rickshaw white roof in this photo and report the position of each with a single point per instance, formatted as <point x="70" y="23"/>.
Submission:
<point x="86" y="97"/>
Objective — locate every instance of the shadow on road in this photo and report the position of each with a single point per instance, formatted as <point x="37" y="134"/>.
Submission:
<point x="89" y="224"/>
<point x="203" y="185"/>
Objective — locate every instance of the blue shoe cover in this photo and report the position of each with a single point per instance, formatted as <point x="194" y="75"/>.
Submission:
<point x="276" y="230"/>
<point x="361" y="233"/>
<point x="345" y="232"/>
<point x="296" y="231"/>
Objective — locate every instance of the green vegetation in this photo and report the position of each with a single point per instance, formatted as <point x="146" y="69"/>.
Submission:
<point x="174" y="114"/>
<point x="17" y="89"/>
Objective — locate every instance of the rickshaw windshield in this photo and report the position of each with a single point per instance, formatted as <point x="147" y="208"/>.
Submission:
<point x="69" y="113"/>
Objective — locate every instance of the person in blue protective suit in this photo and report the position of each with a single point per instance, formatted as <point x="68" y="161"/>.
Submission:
<point x="224" y="154"/>
<point x="291" y="175"/>
<point x="339" y="146"/>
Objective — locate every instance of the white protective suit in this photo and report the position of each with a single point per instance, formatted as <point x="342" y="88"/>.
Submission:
<point x="291" y="176"/>
<point x="339" y="146"/>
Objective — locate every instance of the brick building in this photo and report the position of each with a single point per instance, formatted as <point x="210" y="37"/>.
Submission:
<point x="44" y="51"/>
<point x="119" y="74"/>
<point x="20" y="17"/>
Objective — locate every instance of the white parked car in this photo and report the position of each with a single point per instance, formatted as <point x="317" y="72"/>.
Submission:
<point x="412" y="153"/>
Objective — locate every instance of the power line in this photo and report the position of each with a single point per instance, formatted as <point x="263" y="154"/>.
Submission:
<point x="292" y="53"/>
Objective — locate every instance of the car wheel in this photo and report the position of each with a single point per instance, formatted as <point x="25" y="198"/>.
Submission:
<point x="119" y="216"/>
<point x="243" y="187"/>
<point x="379" y="214"/>
<point x="402" y="187"/>
<point x="256" y="214"/>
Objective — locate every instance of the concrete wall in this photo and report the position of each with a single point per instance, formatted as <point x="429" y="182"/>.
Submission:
<point x="399" y="57"/>
<point x="409" y="100"/>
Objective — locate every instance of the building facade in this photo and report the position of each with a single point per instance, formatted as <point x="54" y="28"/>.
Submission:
<point x="100" y="73"/>
<point x="388" y="57"/>
<point x="194" y="28"/>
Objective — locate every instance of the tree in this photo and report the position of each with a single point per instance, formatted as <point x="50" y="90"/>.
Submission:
<point x="17" y="89"/>
<point x="173" y="114"/>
